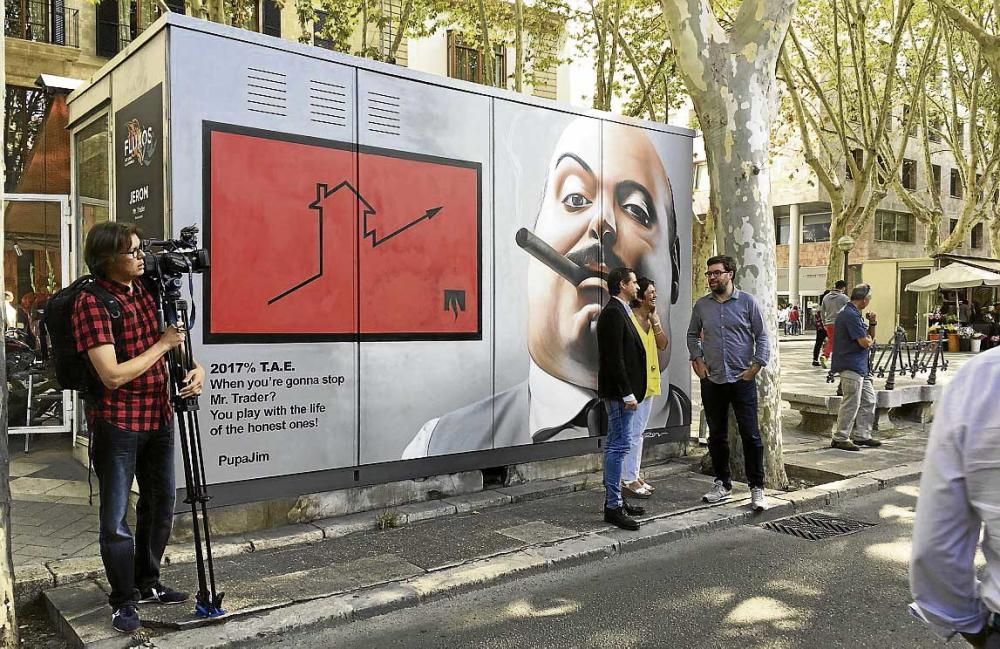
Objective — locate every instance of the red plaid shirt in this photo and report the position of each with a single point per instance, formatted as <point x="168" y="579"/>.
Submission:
<point x="143" y="403"/>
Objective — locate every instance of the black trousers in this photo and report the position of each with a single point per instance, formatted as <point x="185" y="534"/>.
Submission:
<point x="742" y="396"/>
<point x="820" y="339"/>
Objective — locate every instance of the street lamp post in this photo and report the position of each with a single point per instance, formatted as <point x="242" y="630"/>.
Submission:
<point x="846" y="244"/>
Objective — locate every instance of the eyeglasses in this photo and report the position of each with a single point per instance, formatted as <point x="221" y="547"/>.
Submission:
<point x="715" y="273"/>
<point x="134" y="254"/>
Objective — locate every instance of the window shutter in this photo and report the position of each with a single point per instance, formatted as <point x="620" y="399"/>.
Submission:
<point x="107" y="28"/>
<point x="272" y="18"/>
<point x="58" y="22"/>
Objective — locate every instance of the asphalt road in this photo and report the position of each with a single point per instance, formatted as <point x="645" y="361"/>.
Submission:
<point x="743" y="588"/>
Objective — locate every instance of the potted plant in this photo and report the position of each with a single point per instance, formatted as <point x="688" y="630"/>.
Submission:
<point x="934" y="331"/>
<point x="976" y="342"/>
<point x="965" y="338"/>
<point x="951" y="330"/>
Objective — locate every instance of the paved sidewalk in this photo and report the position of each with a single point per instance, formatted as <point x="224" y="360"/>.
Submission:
<point x="51" y="517"/>
<point x="334" y="580"/>
<point x="273" y="570"/>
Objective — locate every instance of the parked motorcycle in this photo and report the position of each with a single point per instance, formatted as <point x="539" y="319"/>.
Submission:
<point x="24" y="367"/>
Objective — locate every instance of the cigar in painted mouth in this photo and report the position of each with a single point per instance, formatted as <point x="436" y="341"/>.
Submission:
<point x="544" y="253"/>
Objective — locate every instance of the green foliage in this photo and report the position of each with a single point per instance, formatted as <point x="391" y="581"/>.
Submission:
<point x="543" y="24"/>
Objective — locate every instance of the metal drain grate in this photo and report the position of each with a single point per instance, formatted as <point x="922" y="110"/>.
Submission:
<point x="815" y="527"/>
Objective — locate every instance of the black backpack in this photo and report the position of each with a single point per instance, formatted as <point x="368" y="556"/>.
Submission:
<point x="73" y="369"/>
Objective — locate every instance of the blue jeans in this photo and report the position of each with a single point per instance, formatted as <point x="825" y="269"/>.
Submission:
<point x="630" y="469"/>
<point x="133" y="564"/>
<point x="620" y="424"/>
<point x="716" y="400"/>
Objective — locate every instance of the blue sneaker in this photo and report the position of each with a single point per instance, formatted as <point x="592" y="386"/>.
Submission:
<point x="125" y="619"/>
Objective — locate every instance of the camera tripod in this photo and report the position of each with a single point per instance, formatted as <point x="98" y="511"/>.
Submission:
<point x="173" y="310"/>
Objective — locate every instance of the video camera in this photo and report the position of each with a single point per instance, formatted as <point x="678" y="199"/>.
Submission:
<point x="170" y="258"/>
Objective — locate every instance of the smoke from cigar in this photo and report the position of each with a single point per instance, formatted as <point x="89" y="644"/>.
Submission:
<point x="544" y="253"/>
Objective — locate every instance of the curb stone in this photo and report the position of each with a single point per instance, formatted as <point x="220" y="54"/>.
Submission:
<point x="481" y="573"/>
<point x="32" y="579"/>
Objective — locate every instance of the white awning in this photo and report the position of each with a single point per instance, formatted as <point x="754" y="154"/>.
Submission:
<point x="959" y="275"/>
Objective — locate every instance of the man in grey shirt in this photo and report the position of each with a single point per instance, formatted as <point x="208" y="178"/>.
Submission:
<point x="832" y="305"/>
<point x="728" y="346"/>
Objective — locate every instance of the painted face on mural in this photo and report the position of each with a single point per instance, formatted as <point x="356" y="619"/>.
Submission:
<point x="599" y="216"/>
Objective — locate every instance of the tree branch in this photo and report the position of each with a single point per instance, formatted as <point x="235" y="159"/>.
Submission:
<point x="990" y="43"/>
<point x="404" y="20"/>
<point x="638" y="73"/>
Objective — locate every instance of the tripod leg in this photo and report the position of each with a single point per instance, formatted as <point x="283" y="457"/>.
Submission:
<point x="198" y="477"/>
<point x="192" y="498"/>
<point x="210" y="601"/>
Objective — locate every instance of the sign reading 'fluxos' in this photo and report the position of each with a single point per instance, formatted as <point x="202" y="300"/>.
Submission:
<point x="139" y="163"/>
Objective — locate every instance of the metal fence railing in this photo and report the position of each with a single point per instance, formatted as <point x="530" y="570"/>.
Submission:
<point x="900" y="357"/>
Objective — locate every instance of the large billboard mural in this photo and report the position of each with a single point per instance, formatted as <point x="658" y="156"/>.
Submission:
<point x="419" y="277"/>
<point x="575" y="197"/>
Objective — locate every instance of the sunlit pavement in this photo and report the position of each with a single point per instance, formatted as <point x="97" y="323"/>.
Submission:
<point x="743" y="587"/>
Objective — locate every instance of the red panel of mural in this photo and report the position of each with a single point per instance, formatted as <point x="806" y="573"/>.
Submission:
<point x="297" y="241"/>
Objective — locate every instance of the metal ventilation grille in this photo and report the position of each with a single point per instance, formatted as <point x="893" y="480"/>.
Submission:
<point x="384" y="113"/>
<point x="815" y="527"/>
<point x="327" y="103"/>
<point x="267" y="92"/>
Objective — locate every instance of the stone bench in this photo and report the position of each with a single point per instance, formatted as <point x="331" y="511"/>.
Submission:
<point x="819" y="412"/>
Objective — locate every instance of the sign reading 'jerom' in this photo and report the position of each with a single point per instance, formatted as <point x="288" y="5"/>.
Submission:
<point x="139" y="163"/>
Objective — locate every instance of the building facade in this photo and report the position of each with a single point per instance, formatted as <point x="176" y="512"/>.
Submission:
<point x="891" y="251"/>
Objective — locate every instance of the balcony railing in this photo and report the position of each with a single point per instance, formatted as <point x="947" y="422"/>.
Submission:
<point x="44" y="21"/>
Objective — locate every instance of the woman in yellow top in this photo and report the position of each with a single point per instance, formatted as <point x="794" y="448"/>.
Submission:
<point x="654" y="338"/>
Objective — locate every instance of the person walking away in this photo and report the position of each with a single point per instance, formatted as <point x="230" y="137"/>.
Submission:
<point x="728" y="346"/>
<point x="852" y="340"/>
<point x="834" y="301"/>
<point x="820" y="329"/>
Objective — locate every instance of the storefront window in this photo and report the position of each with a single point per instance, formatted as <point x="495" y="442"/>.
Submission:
<point x="92" y="181"/>
<point x="36" y="154"/>
<point x="35" y="210"/>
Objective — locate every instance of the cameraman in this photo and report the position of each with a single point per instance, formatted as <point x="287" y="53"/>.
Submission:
<point x="131" y="422"/>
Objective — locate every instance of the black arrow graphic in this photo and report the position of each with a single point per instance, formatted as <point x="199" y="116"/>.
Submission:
<point x="454" y="300"/>
<point x="323" y="193"/>
<point x="429" y="214"/>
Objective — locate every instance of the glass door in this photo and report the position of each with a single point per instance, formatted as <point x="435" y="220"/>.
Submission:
<point x="36" y="265"/>
<point x="910" y="315"/>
